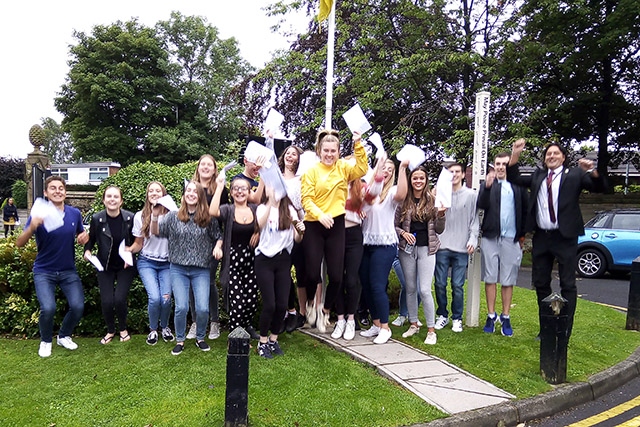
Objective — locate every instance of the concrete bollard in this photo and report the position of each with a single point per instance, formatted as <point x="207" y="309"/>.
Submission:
<point x="554" y="339"/>
<point x="237" y="391"/>
<point x="633" y="306"/>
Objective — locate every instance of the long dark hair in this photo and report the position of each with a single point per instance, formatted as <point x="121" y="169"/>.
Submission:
<point x="201" y="217"/>
<point x="146" y="210"/>
<point x="425" y="210"/>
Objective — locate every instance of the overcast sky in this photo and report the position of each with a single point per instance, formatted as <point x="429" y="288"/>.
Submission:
<point x="35" y="38"/>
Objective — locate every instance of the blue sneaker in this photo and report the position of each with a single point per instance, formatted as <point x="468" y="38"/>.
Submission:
<point x="490" y="326"/>
<point x="506" y="329"/>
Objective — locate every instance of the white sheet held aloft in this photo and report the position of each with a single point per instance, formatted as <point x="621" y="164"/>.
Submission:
<point x="126" y="256"/>
<point x="414" y="154"/>
<point x="444" y="189"/>
<point x="96" y="263"/>
<point x="167" y="202"/>
<point x="356" y="120"/>
<point x="273" y="121"/>
<point x="255" y="150"/>
<point x="377" y="142"/>
<point x="51" y="216"/>
<point x="226" y="168"/>
<point x="307" y="160"/>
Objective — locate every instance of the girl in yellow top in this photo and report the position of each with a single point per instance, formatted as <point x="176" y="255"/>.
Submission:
<point x="324" y="194"/>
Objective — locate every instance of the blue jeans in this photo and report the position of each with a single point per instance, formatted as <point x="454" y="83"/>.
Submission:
<point x="71" y="286"/>
<point x="183" y="278"/>
<point x="156" y="277"/>
<point x="374" y="274"/>
<point x="458" y="262"/>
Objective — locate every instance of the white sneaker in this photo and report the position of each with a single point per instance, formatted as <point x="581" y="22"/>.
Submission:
<point x="383" y="336"/>
<point x="371" y="332"/>
<point x="67" y="343"/>
<point x="431" y="338"/>
<point x="399" y="321"/>
<point x="338" y="330"/>
<point x="321" y="320"/>
<point x="413" y="329"/>
<point x="45" y="349"/>
<point x="419" y="324"/>
<point x="350" y="330"/>
<point x="457" y="325"/>
<point x="311" y="315"/>
<point x="193" y="330"/>
<point x="214" y="332"/>
<point x="441" y="322"/>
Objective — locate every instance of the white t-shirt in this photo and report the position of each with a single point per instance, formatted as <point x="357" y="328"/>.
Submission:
<point x="154" y="247"/>
<point x="378" y="226"/>
<point x="272" y="240"/>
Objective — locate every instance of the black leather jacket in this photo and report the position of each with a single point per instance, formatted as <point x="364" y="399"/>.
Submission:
<point x="99" y="233"/>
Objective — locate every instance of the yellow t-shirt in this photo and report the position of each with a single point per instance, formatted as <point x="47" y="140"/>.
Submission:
<point x="324" y="188"/>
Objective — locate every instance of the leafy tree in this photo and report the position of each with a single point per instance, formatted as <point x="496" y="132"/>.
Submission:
<point x="57" y="143"/>
<point x="572" y="69"/>
<point x="11" y="170"/>
<point x="19" y="194"/>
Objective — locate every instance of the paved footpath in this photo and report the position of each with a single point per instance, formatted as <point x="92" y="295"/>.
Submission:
<point x="438" y="382"/>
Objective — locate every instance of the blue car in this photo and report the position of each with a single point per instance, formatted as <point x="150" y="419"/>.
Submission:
<point x="611" y="242"/>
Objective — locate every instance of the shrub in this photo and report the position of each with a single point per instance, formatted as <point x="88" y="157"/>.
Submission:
<point x="19" y="192"/>
<point x="633" y="188"/>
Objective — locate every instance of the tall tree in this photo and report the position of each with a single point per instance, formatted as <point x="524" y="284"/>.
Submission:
<point x="57" y="143"/>
<point x="11" y="170"/>
<point x="572" y="67"/>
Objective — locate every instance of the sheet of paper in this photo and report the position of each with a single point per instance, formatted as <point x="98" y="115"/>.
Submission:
<point x="255" y="150"/>
<point x="356" y="120"/>
<point x="414" y="154"/>
<point x="126" y="256"/>
<point x="226" y="168"/>
<point x="96" y="263"/>
<point x="308" y="159"/>
<point x="168" y="202"/>
<point x="273" y="121"/>
<point x="444" y="189"/>
<point x="273" y="178"/>
<point x="377" y="142"/>
<point x="52" y="217"/>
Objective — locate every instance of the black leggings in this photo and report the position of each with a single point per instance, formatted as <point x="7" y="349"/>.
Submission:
<point x="114" y="290"/>
<point x="274" y="281"/>
<point x="320" y="242"/>
<point x="350" y="289"/>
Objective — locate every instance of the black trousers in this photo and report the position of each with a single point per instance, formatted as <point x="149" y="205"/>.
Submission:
<point x="114" y="291"/>
<point x="350" y="289"/>
<point x="274" y="280"/>
<point x="547" y="247"/>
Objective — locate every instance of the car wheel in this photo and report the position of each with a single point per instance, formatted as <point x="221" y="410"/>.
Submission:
<point x="591" y="263"/>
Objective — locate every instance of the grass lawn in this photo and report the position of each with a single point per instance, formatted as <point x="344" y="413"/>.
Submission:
<point x="133" y="384"/>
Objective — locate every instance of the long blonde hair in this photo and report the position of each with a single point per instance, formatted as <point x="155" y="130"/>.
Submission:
<point x="201" y="217"/>
<point x="146" y="210"/>
<point x="389" y="183"/>
<point x="196" y="175"/>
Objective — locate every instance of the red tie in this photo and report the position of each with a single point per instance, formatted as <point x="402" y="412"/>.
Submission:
<point x="552" y="212"/>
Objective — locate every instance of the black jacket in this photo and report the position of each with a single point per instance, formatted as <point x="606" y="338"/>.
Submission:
<point x="9" y="211"/>
<point x="99" y="233"/>
<point x="489" y="200"/>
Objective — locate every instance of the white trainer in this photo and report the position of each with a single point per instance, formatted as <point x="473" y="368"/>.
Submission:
<point x="350" y="330"/>
<point x="45" y="349"/>
<point x="399" y="321"/>
<point x="419" y="324"/>
<point x="67" y="343"/>
<point x="311" y="314"/>
<point x="371" y="332"/>
<point x="339" y="329"/>
<point x="441" y="322"/>
<point x="193" y="330"/>
<point x="431" y="338"/>
<point x="383" y="336"/>
<point x="457" y="325"/>
<point x="413" y="329"/>
<point x="214" y="331"/>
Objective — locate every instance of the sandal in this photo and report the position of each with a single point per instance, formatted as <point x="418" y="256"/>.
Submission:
<point x="107" y="339"/>
<point x="125" y="337"/>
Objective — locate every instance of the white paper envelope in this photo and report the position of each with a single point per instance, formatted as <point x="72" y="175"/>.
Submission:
<point x="356" y="120"/>
<point x="377" y="142"/>
<point x="167" y="202"/>
<point x="125" y="255"/>
<point x="444" y="189"/>
<point x="273" y="121"/>
<point x="52" y="217"/>
<point x="307" y="160"/>
<point x="414" y="154"/>
<point x="96" y="263"/>
<point x="255" y="150"/>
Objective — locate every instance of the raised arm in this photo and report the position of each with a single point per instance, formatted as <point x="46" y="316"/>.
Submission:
<point x="214" y="207"/>
<point x="403" y="187"/>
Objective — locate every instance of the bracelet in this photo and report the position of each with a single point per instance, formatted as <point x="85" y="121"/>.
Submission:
<point x="154" y="217"/>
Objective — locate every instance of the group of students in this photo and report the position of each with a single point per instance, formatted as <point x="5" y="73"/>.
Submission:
<point x="353" y="225"/>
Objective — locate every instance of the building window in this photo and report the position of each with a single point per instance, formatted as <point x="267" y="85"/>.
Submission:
<point x="98" y="174"/>
<point x="61" y="172"/>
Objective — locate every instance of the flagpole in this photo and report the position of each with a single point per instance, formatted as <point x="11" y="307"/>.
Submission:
<point x="330" y="51"/>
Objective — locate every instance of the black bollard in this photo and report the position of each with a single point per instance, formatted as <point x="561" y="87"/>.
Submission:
<point x="633" y="306"/>
<point x="554" y="339"/>
<point x="237" y="393"/>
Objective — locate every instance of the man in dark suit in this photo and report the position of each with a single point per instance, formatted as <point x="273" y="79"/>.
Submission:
<point x="555" y="218"/>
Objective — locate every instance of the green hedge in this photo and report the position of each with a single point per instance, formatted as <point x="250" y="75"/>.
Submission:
<point x="19" y="193"/>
